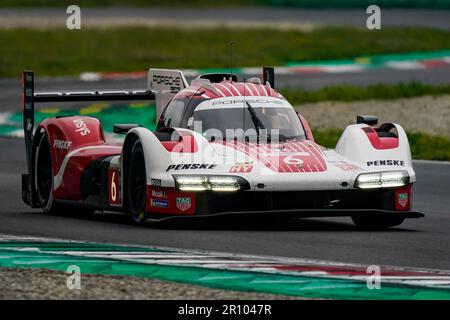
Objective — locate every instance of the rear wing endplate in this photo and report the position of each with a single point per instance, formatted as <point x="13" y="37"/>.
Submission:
<point x="30" y="98"/>
<point x="165" y="83"/>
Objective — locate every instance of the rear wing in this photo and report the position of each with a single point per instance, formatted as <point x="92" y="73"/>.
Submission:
<point x="166" y="83"/>
<point x="30" y="97"/>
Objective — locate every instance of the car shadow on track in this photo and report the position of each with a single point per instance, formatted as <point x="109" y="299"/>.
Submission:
<point x="232" y="223"/>
<point x="289" y="224"/>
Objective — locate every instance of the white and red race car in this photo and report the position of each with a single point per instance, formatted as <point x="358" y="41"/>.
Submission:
<point x="220" y="147"/>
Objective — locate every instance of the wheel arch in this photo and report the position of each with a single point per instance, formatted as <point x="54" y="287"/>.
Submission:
<point x="155" y="155"/>
<point x="66" y="134"/>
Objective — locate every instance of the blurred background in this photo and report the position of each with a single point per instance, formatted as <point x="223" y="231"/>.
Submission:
<point x="328" y="64"/>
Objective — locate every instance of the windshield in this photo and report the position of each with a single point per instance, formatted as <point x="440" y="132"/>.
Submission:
<point x="249" y="119"/>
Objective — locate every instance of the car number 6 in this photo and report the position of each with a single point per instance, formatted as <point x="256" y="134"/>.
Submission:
<point x="292" y="160"/>
<point x="113" y="187"/>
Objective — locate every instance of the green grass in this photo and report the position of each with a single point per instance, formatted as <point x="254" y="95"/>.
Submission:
<point x="352" y="93"/>
<point x="132" y="3"/>
<point x="69" y="52"/>
<point x="423" y="146"/>
<point x="328" y="137"/>
<point x="230" y="3"/>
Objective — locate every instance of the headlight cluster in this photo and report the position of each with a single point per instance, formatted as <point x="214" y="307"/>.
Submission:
<point x="210" y="183"/>
<point x="388" y="179"/>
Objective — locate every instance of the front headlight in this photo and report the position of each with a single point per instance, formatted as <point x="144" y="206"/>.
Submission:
<point x="388" y="179"/>
<point x="210" y="183"/>
<point x="191" y="183"/>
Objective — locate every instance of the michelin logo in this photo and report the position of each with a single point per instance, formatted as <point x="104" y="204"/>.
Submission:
<point x="159" y="203"/>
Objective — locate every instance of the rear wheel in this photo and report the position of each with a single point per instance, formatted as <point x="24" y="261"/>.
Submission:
<point x="44" y="174"/>
<point x="137" y="183"/>
<point x="377" y="222"/>
<point x="44" y="183"/>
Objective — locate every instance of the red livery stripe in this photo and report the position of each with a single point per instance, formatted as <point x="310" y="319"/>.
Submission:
<point x="287" y="157"/>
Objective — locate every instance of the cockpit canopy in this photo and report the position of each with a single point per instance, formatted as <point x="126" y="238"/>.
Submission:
<point x="236" y="118"/>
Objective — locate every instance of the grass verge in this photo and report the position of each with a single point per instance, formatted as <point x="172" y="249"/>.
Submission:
<point x="133" y="3"/>
<point x="423" y="146"/>
<point x="230" y="3"/>
<point x="69" y="52"/>
<point x="373" y="92"/>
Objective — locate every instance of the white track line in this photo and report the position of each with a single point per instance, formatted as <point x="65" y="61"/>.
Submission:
<point x="431" y="162"/>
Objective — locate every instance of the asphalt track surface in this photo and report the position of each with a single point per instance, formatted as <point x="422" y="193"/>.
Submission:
<point x="439" y="19"/>
<point x="416" y="243"/>
<point x="10" y="88"/>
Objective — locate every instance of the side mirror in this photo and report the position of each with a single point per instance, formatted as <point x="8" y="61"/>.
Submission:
<point x="124" y="128"/>
<point x="190" y="122"/>
<point x="367" y="119"/>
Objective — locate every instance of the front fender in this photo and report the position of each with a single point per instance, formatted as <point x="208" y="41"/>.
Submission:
<point x="156" y="156"/>
<point x="357" y="144"/>
<point x="189" y="147"/>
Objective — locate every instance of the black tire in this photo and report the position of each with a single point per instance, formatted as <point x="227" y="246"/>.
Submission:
<point x="377" y="222"/>
<point x="137" y="183"/>
<point x="44" y="174"/>
<point x="44" y="183"/>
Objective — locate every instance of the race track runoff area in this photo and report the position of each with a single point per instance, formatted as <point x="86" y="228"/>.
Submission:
<point x="314" y="279"/>
<point x="108" y="114"/>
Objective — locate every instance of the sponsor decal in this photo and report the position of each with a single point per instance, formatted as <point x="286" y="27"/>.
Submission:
<point x="81" y="127"/>
<point x="190" y="166"/>
<point x="159" y="203"/>
<point x="386" y="163"/>
<point x="173" y="81"/>
<point x="246" y="168"/>
<point x="402" y="199"/>
<point x="62" y="144"/>
<point x="347" y="167"/>
<point x="155" y="182"/>
<point x="159" y="194"/>
<point x="184" y="203"/>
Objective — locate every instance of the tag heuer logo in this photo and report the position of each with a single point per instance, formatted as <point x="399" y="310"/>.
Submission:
<point x="403" y="199"/>
<point x="184" y="203"/>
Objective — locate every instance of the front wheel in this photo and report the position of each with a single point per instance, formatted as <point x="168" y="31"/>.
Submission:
<point x="137" y="183"/>
<point x="377" y="222"/>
